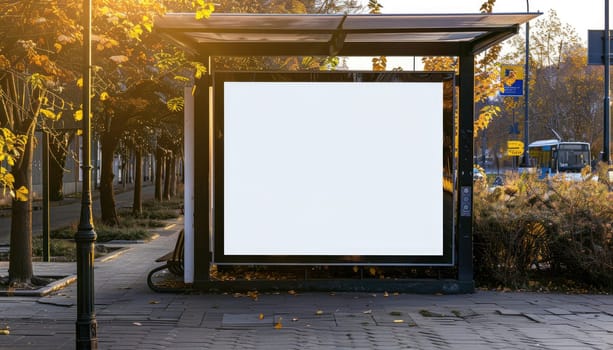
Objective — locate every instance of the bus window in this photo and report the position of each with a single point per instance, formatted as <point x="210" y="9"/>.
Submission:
<point x="573" y="157"/>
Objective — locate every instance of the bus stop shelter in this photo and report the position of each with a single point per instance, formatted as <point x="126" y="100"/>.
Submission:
<point x="459" y="35"/>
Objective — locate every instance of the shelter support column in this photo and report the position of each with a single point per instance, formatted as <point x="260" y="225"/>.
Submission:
<point x="202" y="178"/>
<point x="189" y="193"/>
<point x="465" y="167"/>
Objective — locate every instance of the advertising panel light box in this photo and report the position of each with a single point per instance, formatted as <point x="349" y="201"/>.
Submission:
<point x="332" y="168"/>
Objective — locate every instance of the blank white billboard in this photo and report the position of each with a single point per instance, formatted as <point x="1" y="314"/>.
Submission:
<point x="333" y="168"/>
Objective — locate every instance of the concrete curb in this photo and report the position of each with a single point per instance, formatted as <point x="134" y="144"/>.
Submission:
<point x="42" y="291"/>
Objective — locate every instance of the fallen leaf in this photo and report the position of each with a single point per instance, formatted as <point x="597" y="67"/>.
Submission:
<point x="367" y="312"/>
<point x="291" y="292"/>
<point x="5" y="331"/>
<point x="295" y="319"/>
<point x="253" y="295"/>
<point x="319" y="312"/>
<point x="398" y="321"/>
<point x="154" y="302"/>
<point x="137" y="323"/>
<point x="261" y="317"/>
<point x="386" y="294"/>
<point x="278" y="324"/>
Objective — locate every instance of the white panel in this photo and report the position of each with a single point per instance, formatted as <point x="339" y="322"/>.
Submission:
<point x="333" y="168"/>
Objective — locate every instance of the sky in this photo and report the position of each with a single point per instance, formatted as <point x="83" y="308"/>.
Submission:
<point x="582" y="15"/>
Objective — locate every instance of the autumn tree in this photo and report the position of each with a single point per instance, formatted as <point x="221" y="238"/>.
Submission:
<point x="565" y="93"/>
<point x="38" y="63"/>
<point x="136" y="77"/>
<point x="487" y="77"/>
<point x="35" y="66"/>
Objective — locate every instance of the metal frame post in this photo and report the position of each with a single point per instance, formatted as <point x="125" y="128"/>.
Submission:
<point x="465" y="167"/>
<point x="202" y="178"/>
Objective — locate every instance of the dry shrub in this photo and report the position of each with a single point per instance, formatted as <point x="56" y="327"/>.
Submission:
<point x="554" y="229"/>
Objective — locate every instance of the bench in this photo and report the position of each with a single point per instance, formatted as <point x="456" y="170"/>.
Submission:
<point x="174" y="263"/>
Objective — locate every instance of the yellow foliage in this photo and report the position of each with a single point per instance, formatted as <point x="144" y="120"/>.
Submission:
<point x="147" y="23"/>
<point x="175" y="104"/>
<point x="204" y="9"/>
<point x="135" y="32"/>
<point x="22" y="194"/>
<point x="486" y="114"/>
<point x="78" y="115"/>
<point x="379" y="63"/>
<point x="4" y="62"/>
<point x="11" y="147"/>
<point x="49" y="114"/>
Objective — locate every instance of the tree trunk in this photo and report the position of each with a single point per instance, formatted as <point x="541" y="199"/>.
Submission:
<point x="57" y="165"/>
<point x="159" y="167"/>
<point x="137" y="203"/>
<point x="124" y="171"/>
<point x="107" y="194"/>
<point x="173" y="177"/>
<point x="20" y="260"/>
<point x="167" y="177"/>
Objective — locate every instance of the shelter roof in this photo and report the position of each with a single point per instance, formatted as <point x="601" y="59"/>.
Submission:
<point x="340" y="34"/>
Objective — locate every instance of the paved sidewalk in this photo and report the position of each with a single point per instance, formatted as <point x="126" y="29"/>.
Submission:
<point x="130" y="316"/>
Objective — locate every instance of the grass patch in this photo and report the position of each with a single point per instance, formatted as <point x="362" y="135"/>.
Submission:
<point x="114" y="233"/>
<point x="131" y="221"/>
<point x="130" y="228"/>
<point x="153" y="212"/>
<point x="106" y="233"/>
<point x="64" y="250"/>
<point x="58" y="247"/>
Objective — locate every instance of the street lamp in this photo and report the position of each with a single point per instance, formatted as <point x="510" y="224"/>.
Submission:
<point x="86" y="325"/>
<point x="526" y="161"/>
<point x="606" y="156"/>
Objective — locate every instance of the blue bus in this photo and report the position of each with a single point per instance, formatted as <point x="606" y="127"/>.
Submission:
<point x="552" y="157"/>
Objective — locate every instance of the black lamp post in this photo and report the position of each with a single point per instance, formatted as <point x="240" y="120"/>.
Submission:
<point x="526" y="161"/>
<point x="86" y="327"/>
<point x="606" y="156"/>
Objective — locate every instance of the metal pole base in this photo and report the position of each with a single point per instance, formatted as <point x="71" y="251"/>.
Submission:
<point x="87" y="327"/>
<point x="87" y="334"/>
